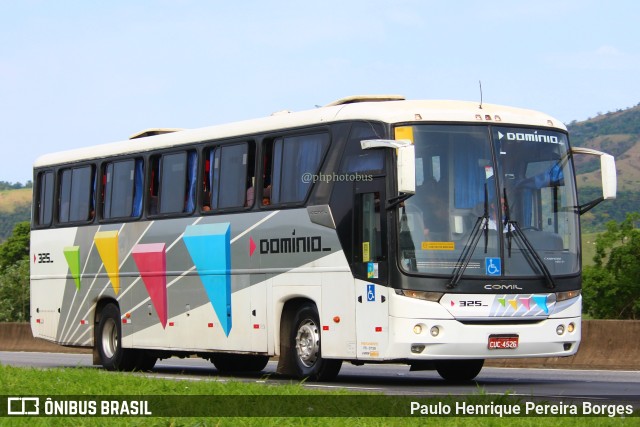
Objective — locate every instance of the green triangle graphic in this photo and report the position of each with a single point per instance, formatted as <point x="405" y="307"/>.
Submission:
<point x="72" y="255"/>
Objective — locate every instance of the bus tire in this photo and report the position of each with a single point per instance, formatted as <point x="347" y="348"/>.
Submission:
<point x="145" y="361"/>
<point x="305" y="347"/>
<point x="459" y="370"/>
<point x="228" y="362"/>
<point x="109" y="341"/>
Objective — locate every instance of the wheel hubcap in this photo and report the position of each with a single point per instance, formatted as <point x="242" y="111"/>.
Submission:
<point x="110" y="338"/>
<point x="308" y="343"/>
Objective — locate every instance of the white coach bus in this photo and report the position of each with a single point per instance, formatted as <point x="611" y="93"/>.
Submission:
<point x="374" y="229"/>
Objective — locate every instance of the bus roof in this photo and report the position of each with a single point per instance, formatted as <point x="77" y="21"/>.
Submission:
<point x="385" y="108"/>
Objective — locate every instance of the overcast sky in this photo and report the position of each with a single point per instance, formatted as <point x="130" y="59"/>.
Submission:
<point x="79" y="73"/>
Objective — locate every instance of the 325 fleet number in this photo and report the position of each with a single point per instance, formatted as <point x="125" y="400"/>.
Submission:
<point x="44" y="258"/>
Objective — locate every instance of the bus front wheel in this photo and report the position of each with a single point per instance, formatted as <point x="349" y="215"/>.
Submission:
<point x="305" y="347"/>
<point x="459" y="370"/>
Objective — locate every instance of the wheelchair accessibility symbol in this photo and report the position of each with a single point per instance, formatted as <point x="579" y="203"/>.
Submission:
<point x="371" y="293"/>
<point x="493" y="266"/>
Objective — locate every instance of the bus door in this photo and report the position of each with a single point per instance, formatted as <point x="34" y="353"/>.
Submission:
<point x="370" y="267"/>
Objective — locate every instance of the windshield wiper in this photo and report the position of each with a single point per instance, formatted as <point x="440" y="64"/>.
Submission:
<point x="481" y="226"/>
<point x="533" y="259"/>
<point x="395" y="201"/>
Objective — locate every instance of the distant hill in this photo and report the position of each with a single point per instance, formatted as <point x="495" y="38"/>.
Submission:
<point x="15" y="206"/>
<point x="616" y="133"/>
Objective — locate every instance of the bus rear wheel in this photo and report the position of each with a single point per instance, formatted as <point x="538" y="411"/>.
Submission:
<point x="459" y="370"/>
<point x="109" y="341"/>
<point x="305" y="347"/>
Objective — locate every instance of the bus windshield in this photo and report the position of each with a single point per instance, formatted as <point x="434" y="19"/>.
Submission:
<point x="490" y="201"/>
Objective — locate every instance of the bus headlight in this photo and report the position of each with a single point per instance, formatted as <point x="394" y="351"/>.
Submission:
<point x="423" y="295"/>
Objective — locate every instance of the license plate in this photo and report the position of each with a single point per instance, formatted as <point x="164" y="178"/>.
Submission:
<point x="503" y="342"/>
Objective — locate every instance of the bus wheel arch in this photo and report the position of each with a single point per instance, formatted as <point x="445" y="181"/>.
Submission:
<point x="300" y="343"/>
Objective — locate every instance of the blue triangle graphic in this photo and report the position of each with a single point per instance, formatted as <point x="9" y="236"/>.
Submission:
<point x="209" y="246"/>
<point x="541" y="301"/>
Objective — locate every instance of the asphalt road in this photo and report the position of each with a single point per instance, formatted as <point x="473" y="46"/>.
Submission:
<point x="611" y="387"/>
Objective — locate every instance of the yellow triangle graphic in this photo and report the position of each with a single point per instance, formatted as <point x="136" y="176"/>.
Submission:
<point x="107" y="244"/>
<point x="513" y="303"/>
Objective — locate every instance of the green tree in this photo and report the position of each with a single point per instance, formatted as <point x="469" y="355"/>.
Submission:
<point x="16" y="247"/>
<point x="612" y="287"/>
<point x="14" y="275"/>
<point x="14" y="292"/>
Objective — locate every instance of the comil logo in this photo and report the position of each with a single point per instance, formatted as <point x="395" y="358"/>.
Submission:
<point x="23" y="406"/>
<point x="493" y="287"/>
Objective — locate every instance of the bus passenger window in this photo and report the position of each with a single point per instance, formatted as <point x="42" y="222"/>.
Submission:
<point x="206" y="185"/>
<point x="45" y="198"/>
<point x="123" y="189"/>
<point x="295" y="164"/>
<point x="192" y="176"/>
<point x="231" y="165"/>
<point x="154" y="184"/>
<point x="76" y="194"/>
<point x="173" y="183"/>
<point x="250" y="192"/>
<point x="267" y="166"/>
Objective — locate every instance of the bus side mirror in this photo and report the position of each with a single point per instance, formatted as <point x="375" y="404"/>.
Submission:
<point x="405" y="160"/>
<point x="609" y="176"/>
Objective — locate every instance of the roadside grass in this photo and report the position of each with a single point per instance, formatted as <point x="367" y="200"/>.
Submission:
<point x="78" y="382"/>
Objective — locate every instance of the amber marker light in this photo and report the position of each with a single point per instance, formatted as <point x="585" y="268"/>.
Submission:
<point x="336" y="319"/>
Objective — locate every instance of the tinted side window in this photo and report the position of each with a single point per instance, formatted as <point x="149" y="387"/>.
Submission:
<point x="229" y="175"/>
<point x="44" y="214"/>
<point x="173" y="183"/>
<point x="123" y="189"/>
<point x="76" y="194"/>
<point x="295" y="160"/>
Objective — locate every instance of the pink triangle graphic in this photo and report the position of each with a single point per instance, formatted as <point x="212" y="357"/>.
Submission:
<point x="152" y="264"/>
<point x="526" y="302"/>
<point x="252" y="246"/>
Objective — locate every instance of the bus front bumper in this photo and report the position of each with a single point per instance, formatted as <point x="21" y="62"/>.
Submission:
<point x="421" y="339"/>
